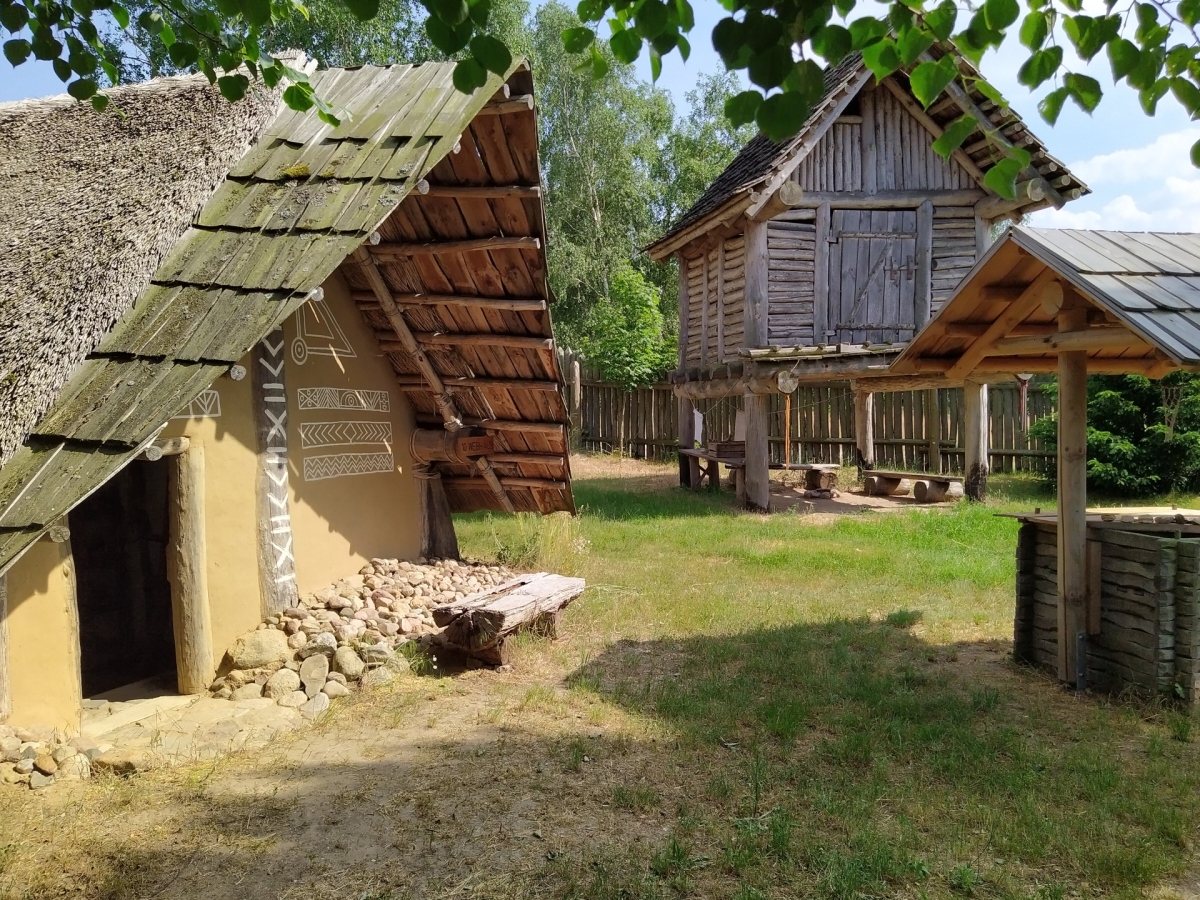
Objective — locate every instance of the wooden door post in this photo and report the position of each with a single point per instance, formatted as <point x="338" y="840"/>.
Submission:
<point x="1072" y="503"/>
<point x="864" y="428"/>
<point x="276" y="554"/>
<point x="757" y="264"/>
<point x="438" y="540"/>
<point x="5" y="689"/>
<point x="186" y="568"/>
<point x="975" y="439"/>
<point x="758" y="471"/>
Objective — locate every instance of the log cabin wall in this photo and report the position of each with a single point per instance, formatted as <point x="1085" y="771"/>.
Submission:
<point x="791" y="247"/>
<point x="715" y="312"/>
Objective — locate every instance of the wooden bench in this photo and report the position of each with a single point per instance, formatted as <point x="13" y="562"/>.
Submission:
<point x="478" y="624"/>
<point x="817" y="476"/>
<point x="926" y="487"/>
<point x="709" y="462"/>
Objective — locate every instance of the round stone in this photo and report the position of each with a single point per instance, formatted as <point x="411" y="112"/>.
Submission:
<point x="282" y="683"/>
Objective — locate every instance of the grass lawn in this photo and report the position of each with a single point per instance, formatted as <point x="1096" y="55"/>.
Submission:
<point x="742" y="706"/>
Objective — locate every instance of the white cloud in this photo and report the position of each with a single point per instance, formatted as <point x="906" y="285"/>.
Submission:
<point x="1152" y="187"/>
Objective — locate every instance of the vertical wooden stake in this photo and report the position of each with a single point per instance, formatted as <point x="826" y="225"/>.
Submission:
<point x="975" y="439"/>
<point x="933" y="427"/>
<point x="5" y="688"/>
<point x="758" y="471"/>
<point x="186" y="567"/>
<point x="787" y="430"/>
<point x="576" y="394"/>
<point x="757" y="265"/>
<point x="924" y="284"/>
<point x="864" y="428"/>
<point x="821" y="276"/>
<point x="438" y="540"/>
<point x="1072" y="499"/>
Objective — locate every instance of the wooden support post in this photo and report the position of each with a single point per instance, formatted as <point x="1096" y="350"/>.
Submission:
<point x="933" y="431"/>
<point x="1072" y="502"/>
<point x="821" y="275"/>
<point x="924" y="285"/>
<point x="276" y="557"/>
<point x="438" y="540"/>
<point x="975" y="439"/>
<point x="787" y="429"/>
<point x="689" y="466"/>
<point x="758" y="471"/>
<point x="870" y="151"/>
<point x="576" y="395"/>
<point x="757" y="265"/>
<point x="187" y="570"/>
<point x="864" y="428"/>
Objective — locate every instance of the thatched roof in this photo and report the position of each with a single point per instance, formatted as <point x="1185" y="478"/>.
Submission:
<point x="759" y="163"/>
<point x="165" y="241"/>
<point x="92" y="203"/>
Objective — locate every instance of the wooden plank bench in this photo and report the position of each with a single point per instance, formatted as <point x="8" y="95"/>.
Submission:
<point x="478" y="624"/>
<point x="710" y="460"/>
<point x="817" y="476"/>
<point x="926" y="487"/>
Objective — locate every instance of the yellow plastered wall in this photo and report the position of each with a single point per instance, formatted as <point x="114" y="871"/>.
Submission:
<point x="222" y="420"/>
<point x="43" y="637"/>
<point x="350" y="476"/>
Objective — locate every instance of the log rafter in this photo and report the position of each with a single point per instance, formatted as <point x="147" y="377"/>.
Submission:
<point x="368" y="302"/>
<point x="390" y="251"/>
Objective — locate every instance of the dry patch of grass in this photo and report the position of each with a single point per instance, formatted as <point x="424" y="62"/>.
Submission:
<point x="743" y="706"/>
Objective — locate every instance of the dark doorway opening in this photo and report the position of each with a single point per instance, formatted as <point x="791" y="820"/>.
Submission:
<point x="119" y="541"/>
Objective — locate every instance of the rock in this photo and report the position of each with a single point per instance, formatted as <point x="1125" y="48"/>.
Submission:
<point x="282" y="683"/>
<point x="335" y="689"/>
<point x="347" y="661"/>
<point x="237" y="678"/>
<point x="10" y="775"/>
<point x="377" y="654"/>
<point x="224" y="693"/>
<point x="398" y="664"/>
<point x="377" y="678"/>
<point x="45" y="764"/>
<point x="30" y="750"/>
<point x="248" y="691"/>
<point x="259" y="648"/>
<point x="293" y="700"/>
<point x="314" y="707"/>
<point x="338" y="677"/>
<point x="324" y="642"/>
<point x="123" y="762"/>
<point x="313" y="672"/>
<point x="63" y="753"/>
<point x="298" y="640"/>
<point x="10" y="748"/>
<point x="338" y="602"/>
<point x="38" y="780"/>
<point x="23" y="766"/>
<point x="76" y="768"/>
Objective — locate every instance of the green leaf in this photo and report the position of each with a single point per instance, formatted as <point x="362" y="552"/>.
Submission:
<point x="599" y="63"/>
<point x="183" y="54"/>
<point x="1035" y="29"/>
<point x="233" y="87"/>
<point x="941" y="20"/>
<point x="166" y="34"/>
<point x="1195" y="154"/>
<point x="651" y="18"/>
<point x="929" y="79"/>
<point x="256" y="12"/>
<point x="728" y="37"/>
<point x="469" y="76"/>
<point x="832" y="43"/>
<point x="1089" y="34"/>
<point x="62" y="69"/>
<point x="911" y="44"/>
<point x="14" y="17"/>
<point x="806" y="79"/>
<point x="576" y="40"/>
<point x="881" y="58"/>
<point x="685" y="15"/>
<point x="1187" y="95"/>
<point x="83" y="89"/>
<point x="655" y="65"/>
<point x="685" y="47"/>
<point x="328" y="118"/>
<point x="45" y="45"/>
<point x="781" y="116"/>
<point x="590" y="10"/>
<point x="448" y="38"/>
<point x="742" y="108"/>
<point x="769" y="69"/>
<point x="1001" y="178"/>
<point x="480" y="11"/>
<point x="298" y="97"/>
<point x="452" y="12"/>
<point x="17" y="51"/>
<point x="99" y="102"/>
<point x="1151" y="95"/>
<point x="1189" y="12"/>
<point x="866" y="31"/>
<point x="999" y="14"/>
<point x="491" y="53"/>
<point x="954" y="135"/>
<point x="363" y="10"/>
<point x="1040" y="66"/>
<point x="1124" y="57"/>
<point x="626" y="45"/>
<point x="1084" y="90"/>
<point x="121" y="14"/>
<point x="1051" y="105"/>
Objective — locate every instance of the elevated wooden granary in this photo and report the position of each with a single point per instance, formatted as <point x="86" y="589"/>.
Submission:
<point x="245" y="352"/>
<point x="819" y="257"/>
<point x="1074" y="302"/>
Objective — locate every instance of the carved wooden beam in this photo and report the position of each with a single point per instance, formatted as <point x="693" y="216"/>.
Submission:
<point x="393" y="251"/>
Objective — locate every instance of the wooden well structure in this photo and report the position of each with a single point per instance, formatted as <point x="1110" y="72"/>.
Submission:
<point x="816" y="260"/>
<point x="1068" y="303"/>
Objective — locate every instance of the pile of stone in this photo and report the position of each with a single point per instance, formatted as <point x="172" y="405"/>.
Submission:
<point x="40" y="756"/>
<point x="822" y="494"/>
<point x="348" y="632"/>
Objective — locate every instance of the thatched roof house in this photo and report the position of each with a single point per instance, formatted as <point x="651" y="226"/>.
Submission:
<point x="150" y="249"/>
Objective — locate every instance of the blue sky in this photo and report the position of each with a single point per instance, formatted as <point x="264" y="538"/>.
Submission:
<point x="1137" y="166"/>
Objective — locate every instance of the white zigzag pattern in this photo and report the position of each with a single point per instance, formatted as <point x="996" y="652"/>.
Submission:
<point x="318" y="468"/>
<point x="325" y="434"/>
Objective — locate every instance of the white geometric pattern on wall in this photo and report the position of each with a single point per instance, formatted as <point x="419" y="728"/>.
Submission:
<point x="318" y="333"/>
<point x="339" y="465"/>
<point x="207" y="405"/>
<point x="329" y="434"/>
<point x="343" y="398"/>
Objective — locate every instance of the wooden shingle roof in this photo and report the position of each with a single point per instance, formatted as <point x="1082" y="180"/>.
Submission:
<point x="281" y="201"/>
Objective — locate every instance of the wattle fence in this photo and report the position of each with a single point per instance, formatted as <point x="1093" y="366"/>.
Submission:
<point x="917" y="430"/>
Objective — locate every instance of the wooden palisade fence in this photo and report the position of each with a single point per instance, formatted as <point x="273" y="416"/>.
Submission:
<point x="913" y="429"/>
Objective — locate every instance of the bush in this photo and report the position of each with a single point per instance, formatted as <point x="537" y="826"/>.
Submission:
<point x="1138" y="442"/>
